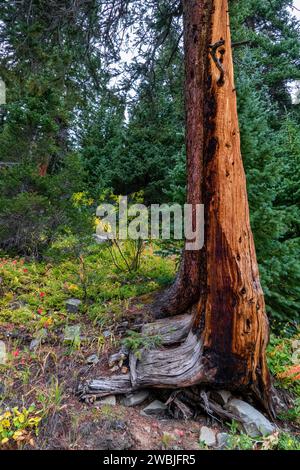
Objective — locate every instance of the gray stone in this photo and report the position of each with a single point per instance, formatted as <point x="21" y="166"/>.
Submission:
<point x="222" y="439"/>
<point x="254" y="423"/>
<point x="99" y="239"/>
<point x="93" y="359"/>
<point x="3" y="353"/>
<point x="221" y="396"/>
<point x="109" y="400"/>
<point x="72" y="333"/>
<point x="73" y="305"/>
<point x="207" y="436"/>
<point x="16" y="305"/>
<point x="134" y="399"/>
<point x="36" y="342"/>
<point x="156" y="408"/>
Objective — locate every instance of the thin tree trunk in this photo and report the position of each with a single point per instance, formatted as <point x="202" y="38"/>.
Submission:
<point x="197" y="31"/>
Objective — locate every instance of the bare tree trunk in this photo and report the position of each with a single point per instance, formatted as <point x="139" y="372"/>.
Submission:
<point x="197" y="31"/>
<point x="232" y="310"/>
<point x="228" y="333"/>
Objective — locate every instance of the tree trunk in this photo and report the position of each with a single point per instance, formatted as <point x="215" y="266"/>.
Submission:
<point x="231" y="314"/>
<point x="197" y="33"/>
<point x="231" y="309"/>
<point x="228" y="334"/>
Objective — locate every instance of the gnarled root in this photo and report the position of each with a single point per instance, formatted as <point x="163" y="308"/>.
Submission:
<point x="179" y="363"/>
<point x="175" y="367"/>
<point x="169" y="367"/>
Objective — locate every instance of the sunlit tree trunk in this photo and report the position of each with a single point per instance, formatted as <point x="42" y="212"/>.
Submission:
<point x="231" y="307"/>
<point x="223" y="278"/>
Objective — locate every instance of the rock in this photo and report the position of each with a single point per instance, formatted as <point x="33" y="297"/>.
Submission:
<point x="156" y="408"/>
<point x="106" y="334"/>
<point x="207" y="436"/>
<point x="73" y="305"/>
<point x="254" y="423"/>
<point x="295" y="359"/>
<point x="3" y="353"/>
<point x="72" y="333"/>
<point x="296" y="344"/>
<point x="134" y="399"/>
<point x="221" y="396"/>
<point x="16" y="305"/>
<point x="35" y="343"/>
<point x="99" y="239"/>
<point x="93" y="359"/>
<point x="109" y="400"/>
<point x="222" y="438"/>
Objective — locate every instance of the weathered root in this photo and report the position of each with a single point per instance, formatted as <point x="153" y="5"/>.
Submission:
<point x="179" y="363"/>
<point x="105" y="386"/>
<point x="185" y="290"/>
<point x="170" y="330"/>
<point x="172" y="367"/>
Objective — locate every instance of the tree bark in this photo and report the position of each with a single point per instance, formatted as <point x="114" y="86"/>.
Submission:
<point x="231" y="316"/>
<point x="225" y="346"/>
<point x="197" y="31"/>
<point x="231" y="310"/>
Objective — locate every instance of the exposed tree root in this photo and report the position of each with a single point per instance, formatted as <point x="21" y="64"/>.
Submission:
<point x="179" y="363"/>
<point x="171" y="367"/>
<point x="170" y="330"/>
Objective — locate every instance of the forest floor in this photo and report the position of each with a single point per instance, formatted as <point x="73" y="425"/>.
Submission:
<point x="45" y="352"/>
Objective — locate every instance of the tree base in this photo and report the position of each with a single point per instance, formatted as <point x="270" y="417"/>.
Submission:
<point x="179" y="363"/>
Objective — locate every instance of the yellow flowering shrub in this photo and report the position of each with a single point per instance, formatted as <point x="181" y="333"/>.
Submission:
<point x="18" y="427"/>
<point x="82" y="199"/>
